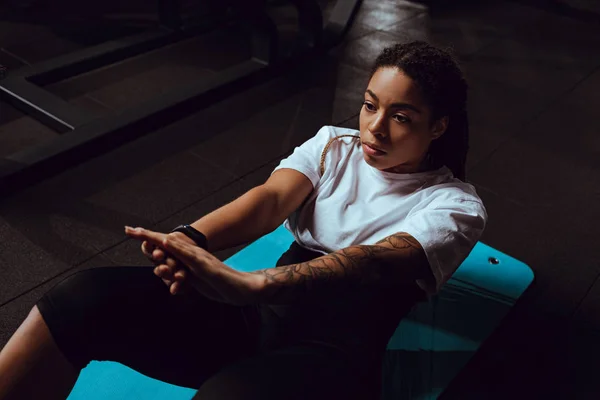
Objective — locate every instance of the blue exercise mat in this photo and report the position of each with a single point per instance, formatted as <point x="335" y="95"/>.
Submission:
<point x="430" y="346"/>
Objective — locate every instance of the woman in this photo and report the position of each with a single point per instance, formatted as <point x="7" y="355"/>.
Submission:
<point x="381" y="220"/>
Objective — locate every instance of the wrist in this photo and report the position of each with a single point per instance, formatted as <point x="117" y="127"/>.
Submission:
<point x="196" y="236"/>
<point x="183" y="236"/>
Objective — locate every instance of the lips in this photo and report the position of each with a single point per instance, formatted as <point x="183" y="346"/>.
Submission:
<point x="372" y="152"/>
<point x="374" y="147"/>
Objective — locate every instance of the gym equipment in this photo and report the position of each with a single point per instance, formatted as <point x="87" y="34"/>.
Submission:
<point x="83" y="135"/>
<point x="430" y="346"/>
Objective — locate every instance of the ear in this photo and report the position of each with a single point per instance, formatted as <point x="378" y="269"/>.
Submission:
<point x="439" y="127"/>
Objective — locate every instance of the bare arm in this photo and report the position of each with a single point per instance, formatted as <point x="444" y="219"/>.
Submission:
<point x="395" y="260"/>
<point x="249" y="217"/>
<point x="256" y="213"/>
<point x="243" y="220"/>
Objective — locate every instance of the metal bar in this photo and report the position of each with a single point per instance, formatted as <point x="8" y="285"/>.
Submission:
<point x="91" y="139"/>
<point x="43" y="105"/>
<point x="88" y="59"/>
<point x="341" y="18"/>
<point x="85" y="60"/>
<point x="84" y="142"/>
<point x="23" y="87"/>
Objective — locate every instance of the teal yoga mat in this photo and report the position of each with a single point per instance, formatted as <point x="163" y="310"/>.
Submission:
<point x="430" y="346"/>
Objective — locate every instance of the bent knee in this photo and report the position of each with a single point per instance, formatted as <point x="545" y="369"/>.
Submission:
<point x="35" y="321"/>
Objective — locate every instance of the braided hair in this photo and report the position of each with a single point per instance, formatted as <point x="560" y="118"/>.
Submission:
<point x="444" y="87"/>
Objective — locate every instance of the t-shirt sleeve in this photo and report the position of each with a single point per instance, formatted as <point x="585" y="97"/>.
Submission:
<point x="306" y="158"/>
<point x="447" y="230"/>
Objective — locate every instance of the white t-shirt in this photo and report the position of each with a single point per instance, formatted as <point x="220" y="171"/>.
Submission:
<point x="354" y="203"/>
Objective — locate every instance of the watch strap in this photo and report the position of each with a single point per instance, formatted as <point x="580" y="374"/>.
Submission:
<point x="194" y="234"/>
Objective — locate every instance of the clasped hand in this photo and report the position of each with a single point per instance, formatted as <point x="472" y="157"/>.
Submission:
<point x="181" y="264"/>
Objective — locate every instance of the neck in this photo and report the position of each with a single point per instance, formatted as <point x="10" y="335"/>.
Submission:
<point x="424" y="166"/>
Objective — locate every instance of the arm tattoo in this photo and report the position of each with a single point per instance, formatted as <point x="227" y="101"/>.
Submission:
<point x="394" y="260"/>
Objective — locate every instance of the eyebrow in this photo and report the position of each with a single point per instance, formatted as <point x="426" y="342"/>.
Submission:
<point x="397" y="105"/>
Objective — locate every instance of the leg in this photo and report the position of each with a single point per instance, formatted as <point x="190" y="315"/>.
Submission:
<point x="298" y="372"/>
<point x="126" y="314"/>
<point x="32" y="366"/>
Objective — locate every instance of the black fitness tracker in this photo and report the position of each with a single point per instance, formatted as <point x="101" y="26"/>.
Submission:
<point x="193" y="234"/>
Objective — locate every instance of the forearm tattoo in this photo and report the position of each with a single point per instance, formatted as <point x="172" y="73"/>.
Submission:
<point x="396" y="259"/>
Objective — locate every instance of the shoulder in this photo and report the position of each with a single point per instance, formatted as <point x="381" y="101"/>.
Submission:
<point x="455" y="190"/>
<point x="445" y="187"/>
<point x="454" y="194"/>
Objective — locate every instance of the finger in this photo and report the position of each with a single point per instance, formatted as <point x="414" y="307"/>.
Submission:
<point x="183" y="251"/>
<point x="180" y="275"/>
<point x="152" y="237"/>
<point x="179" y="288"/>
<point x="175" y="287"/>
<point x="147" y="248"/>
<point x="164" y="272"/>
<point x="158" y="255"/>
<point x="158" y="271"/>
<point x="171" y="262"/>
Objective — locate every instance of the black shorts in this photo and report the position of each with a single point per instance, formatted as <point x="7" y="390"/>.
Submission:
<point x="126" y="314"/>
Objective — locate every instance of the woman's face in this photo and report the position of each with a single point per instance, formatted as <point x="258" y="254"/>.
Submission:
<point x="395" y="119"/>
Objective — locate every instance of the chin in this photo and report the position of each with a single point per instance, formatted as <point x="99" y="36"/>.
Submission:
<point x="372" y="163"/>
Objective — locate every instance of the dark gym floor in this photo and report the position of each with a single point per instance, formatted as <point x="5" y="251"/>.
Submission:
<point x="534" y="75"/>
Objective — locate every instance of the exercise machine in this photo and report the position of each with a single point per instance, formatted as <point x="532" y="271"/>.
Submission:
<point x="82" y="135"/>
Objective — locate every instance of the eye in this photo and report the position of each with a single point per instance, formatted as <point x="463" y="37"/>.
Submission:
<point x="401" y="118"/>
<point x="369" y="106"/>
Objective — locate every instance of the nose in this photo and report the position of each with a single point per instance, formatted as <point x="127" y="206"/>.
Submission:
<point x="377" y="124"/>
